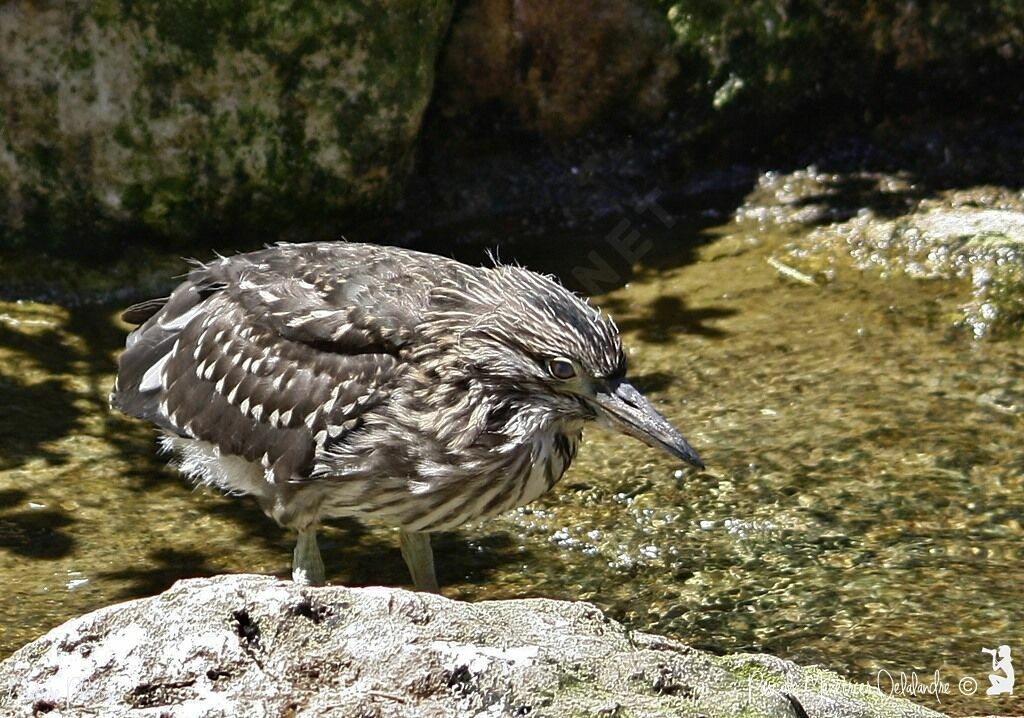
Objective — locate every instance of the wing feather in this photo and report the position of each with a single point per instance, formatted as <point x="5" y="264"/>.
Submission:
<point x="266" y="359"/>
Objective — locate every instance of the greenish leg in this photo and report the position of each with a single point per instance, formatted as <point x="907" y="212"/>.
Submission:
<point x="307" y="566"/>
<point x="420" y="560"/>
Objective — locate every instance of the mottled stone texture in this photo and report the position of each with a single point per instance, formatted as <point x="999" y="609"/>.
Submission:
<point x="808" y="63"/>
<point x="195" y="119"/>
<point x="255" y="646"/>
<point x="170" y="118"/>
<point x="744" y="66"/>
<point x="559" y="66"/>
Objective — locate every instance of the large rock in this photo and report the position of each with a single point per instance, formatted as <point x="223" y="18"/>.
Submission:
<point x="251" y="645"/>
<point x="972" y="238"/>
<point x="767" y="62"/>
<point x="174" y="118"/>
<point x="739" y="72"/>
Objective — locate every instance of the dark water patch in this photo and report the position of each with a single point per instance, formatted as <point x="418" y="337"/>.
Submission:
<point x="157" y="572"/>
<point x="31" y="530"/>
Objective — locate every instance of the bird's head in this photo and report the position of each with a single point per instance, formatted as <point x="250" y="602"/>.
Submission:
<point x="534" y="345"/>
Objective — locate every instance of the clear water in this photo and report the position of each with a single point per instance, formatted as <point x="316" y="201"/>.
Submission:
<point x="862" y="507"/>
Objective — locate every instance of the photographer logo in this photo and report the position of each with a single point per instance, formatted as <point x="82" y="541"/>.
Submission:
<point x="1001" y="678"/>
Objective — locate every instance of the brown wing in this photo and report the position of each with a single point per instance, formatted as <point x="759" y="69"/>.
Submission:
<point x="270" y="355"/>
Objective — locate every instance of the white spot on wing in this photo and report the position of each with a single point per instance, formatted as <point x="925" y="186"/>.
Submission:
<point x="151" y="379"/>
<point x="330" y="402"/>
<point x="181" y="321"/>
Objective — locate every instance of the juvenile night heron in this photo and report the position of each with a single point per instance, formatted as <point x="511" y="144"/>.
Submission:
<point x="337" y="379"/>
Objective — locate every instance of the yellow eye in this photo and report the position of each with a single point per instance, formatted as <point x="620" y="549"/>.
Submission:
<point x="562" y="369"/>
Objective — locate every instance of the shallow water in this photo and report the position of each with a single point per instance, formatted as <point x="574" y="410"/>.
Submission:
<point x="862" y="506"/>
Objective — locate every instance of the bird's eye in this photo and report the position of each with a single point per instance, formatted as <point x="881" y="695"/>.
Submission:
<point x="562" y="369"/>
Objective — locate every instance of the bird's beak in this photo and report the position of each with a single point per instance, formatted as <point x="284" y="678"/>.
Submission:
<point x="623" y="408"/>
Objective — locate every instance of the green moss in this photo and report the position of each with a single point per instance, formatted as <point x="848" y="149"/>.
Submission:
<point x="135" y="198"/>
<point x="78" y="59"/>
<point x="123" y="134"/>
<point x="811" y="64"/>
<point x="194" y="26"/>
<point x="255" y="116"/>
<point x="47" y="158"/>
<point x="746" y="670"/>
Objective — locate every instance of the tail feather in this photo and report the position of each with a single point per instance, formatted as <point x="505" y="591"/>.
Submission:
<point x="139" y="313"/>
<point x="137" y="389"/>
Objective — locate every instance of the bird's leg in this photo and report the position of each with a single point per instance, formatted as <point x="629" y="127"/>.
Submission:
<point x="420" y="560"/>
<point x="307" y="566"/>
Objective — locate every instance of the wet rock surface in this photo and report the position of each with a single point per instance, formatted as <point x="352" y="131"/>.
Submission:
<point x="972" y="238"/>
<point x="242" y="644"/>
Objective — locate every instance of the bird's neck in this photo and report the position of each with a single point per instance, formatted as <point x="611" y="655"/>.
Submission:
<point x="513" y="449"/>
<point x="467" y="416"/>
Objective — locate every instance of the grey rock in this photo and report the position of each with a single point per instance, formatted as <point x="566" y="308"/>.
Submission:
<point x="255" y="646"/>
<point x="970" y="238"/>
<point x="168" y="119"/>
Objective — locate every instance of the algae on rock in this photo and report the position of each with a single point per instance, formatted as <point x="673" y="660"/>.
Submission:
<point x="174" y="119"/>
<point x="938" y="241"/>
<point x="889" y="226"/>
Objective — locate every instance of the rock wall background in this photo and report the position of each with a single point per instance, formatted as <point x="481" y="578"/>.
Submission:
<point x="747" y="66"/>
<point x="183" y="121"/>
<point x="188" y="118"/>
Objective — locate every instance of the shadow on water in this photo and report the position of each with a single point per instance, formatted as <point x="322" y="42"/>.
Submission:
<point x="32" y="533"/>
<point x="374" y="559"/>
<point x="667" y="318"/>
<point x="162" y="568"/>
<point x="844" y="196"/>
<point x="35" y="416"/>
<point x="39" y="413"/>
<point x="354" y="555"/>
<point x="925" y="162"/>
<point x="476" y="559"/>
<point x="368" y="555"/>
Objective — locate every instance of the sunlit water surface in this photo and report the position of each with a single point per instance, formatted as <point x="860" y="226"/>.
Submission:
<point x="861" y="509"/>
